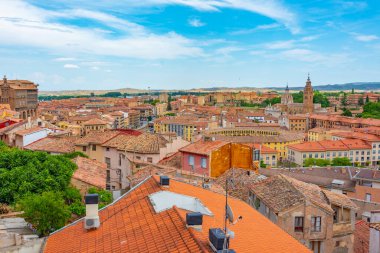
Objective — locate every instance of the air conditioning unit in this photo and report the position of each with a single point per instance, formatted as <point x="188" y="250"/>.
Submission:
<point x="92" y="222"/>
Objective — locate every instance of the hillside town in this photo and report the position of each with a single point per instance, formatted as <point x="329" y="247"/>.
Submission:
<point x="299" y="171"/>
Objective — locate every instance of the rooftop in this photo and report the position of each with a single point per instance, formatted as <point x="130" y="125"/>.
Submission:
<point x="131" y="225"/>
<point x="96" y="137"/>
<point x="90" y="171"/>
<point x="361" y="236"/>
<point x="203" y="147"/>
<point x="54" y="144"/>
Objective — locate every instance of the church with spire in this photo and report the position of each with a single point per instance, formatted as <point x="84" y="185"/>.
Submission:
<point x="287" y="105"/>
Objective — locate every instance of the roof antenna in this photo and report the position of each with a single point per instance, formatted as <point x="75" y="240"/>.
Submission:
<point x="230" y="217"/>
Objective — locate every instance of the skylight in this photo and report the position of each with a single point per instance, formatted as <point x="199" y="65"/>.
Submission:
<point x="164" y="200"/>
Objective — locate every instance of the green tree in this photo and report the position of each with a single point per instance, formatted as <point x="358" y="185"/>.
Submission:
<point x="353" y="91"/>
<point x="27" y="172"/>
<point x="316" y="162"/>
<point x="74" y="154"/>
<point x="320" y="98"/>
<point x="341" y="161"/>
<point x="361" y="101"/>
<point x="169" y="107"/>
<point x="298" y="97"/>
<point x="346" y="112"/>
<point x="105" y="197"/>
<point x="370" y="110"/>
<point x="46" y="211"/>
<point x="367" y="99"/>
<point x="262" y="164"/>
<point x="344" y="99"/>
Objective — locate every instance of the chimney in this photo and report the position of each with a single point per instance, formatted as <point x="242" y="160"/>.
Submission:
<point x="91" y="221"/>
<point x="164" y="181"/>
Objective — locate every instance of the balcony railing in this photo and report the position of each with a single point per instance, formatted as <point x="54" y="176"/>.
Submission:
<point x="342" y="228"/>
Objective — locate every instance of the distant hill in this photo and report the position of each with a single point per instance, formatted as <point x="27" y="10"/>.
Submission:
<point x="358" y="86"/>
<point x="364" y="86"/>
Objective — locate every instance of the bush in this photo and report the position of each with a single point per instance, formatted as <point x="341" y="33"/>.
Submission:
<point x="46" y="212"/>
<point x="105" y="197"/>
<point x="341" y="161"/>
<point x="316" y="162"/>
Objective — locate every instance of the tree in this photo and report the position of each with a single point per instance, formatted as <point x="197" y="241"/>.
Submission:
<point x="367" y="99"/>
<point x="320" y="98"/>
<point x="335" y="109"/>
<point x="105" y="197"/>
<point x="316" y="162"/>
<point x="27" y="172"/>
<point x="169" y="108"/>
<point x="353" y="91"/>
<point x="344" y="99"/>
<point x="298" y="97"/>
<point x="346" y="112"/>
<point x="361" y="101"/>
<point x="370" y="110"/>
<point x="262" y="164"/>
<point x="341" y="161"/>
<point x="46" y="211"/>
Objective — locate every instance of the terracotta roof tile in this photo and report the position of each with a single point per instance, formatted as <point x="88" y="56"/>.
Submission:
<point x="203" y="147"/>
<point x="96" y="137"/>
<point x="54" y="144"/>
<point x="94" y="121"/>
<point x="91" y="172"/>
<point x="131" y="225"/>
<point x="361" y="237"/>
<point x="282" y="192"/>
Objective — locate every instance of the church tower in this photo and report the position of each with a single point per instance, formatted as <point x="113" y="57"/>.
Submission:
<point x="287" y="98"/>
<point x="308" y="105"/>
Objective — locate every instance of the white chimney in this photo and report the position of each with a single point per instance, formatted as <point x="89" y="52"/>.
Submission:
<point x="91" y="221"/>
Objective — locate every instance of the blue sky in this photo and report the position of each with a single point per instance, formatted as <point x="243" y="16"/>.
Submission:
<point x="183" y="44"/>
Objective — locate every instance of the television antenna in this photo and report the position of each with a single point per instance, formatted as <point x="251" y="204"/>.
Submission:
<point x="229" y="217"/>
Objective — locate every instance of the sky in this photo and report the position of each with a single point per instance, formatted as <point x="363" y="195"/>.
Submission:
<point x="184" y="44"/>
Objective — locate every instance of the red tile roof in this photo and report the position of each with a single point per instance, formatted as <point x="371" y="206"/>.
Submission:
<point x="203" y="147"/>
<point x="132" y="225"/>
<point x="91" y="172"/>
<point x="361" y="237"/>
<point x="54" y="144"/>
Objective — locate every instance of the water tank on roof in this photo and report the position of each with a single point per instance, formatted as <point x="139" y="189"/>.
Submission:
<point x="194" y="219"/>
<point x="216" y="237"/>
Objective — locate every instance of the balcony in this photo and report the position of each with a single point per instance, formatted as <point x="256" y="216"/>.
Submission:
<point x="342" y="228"/>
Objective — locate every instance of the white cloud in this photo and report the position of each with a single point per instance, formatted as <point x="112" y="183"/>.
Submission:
<point x="65" y="59"/>
<point x="71" y="66"/>
<point x="366" y="38"/>
<point x="281" y="44"/>
<point x="273" y="9"/>
<point x="27" y="25"/>
<point x="257" y="28"/>
<point x="303" y="55"/>
<point x="194" y="22"/>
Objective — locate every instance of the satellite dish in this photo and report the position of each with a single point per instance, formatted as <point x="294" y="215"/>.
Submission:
<point x="230" y="214"/>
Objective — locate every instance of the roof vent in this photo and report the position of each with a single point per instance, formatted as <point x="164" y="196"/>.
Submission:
<point x="194" y="220"/>
<point x="91" y="221"/>
<point x="217" y="239"/>
<point x="164" y="181"/>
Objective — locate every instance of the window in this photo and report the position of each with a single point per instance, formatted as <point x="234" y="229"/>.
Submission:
<point x="203" y="162"/>
<point x="108" y="175"/>
<point x="191" y="160"/>
<point x="84" y="148"/>
<point x="316" y="224"/>
<point x="304" y="155"/>
<point x="107" y="149"/>
<point x="108" y="162"/>
<point x="138" y="157"/>
<point x="298" y="224"/>
<point x="315" y="246"/>
<point x="149" y="159"/>
<point x="93" y="147"/>
<point x="368" y="197"/>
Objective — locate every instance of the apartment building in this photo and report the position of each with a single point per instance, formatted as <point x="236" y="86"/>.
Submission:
<point x="358" y="151"/>
<point x="322" y="220"/>
<point x="21" y="95"/>
<point x="294" y="122"/>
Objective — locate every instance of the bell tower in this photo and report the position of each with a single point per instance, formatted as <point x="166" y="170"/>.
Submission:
<point x="308" y="105"/>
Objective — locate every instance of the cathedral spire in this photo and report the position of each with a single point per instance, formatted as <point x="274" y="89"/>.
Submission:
<point x="308" y="77"/>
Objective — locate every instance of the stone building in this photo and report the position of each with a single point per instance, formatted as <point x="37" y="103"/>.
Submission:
<point x="21" y="95"/>
<point x="320" y="219"/>
<point x="308" y="106"/>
